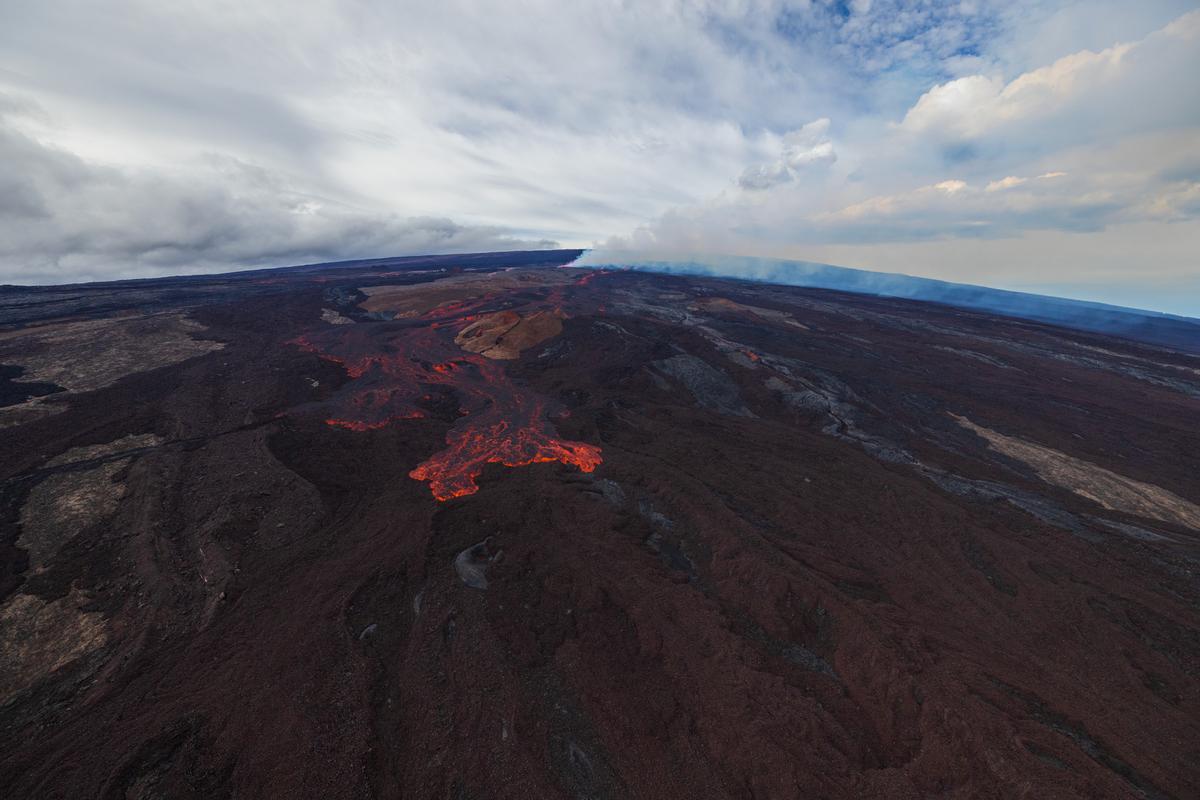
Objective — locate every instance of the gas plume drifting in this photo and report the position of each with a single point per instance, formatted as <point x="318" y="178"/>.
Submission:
<point x="1148" y="326"/>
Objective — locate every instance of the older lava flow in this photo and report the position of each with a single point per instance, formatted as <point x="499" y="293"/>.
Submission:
<point x="399" y="370"/>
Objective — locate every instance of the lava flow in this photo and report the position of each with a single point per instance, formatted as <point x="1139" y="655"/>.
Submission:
<point x="521" y="437"/>
<point x="397" y="369"/>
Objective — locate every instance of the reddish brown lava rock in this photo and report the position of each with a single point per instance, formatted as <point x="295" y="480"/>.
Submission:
<point x="678" y="548"/>
<point x="504" y="334"/>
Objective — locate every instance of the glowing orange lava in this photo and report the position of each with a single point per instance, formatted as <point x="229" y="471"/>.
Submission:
<point x="398" y="367"/>
<point x="452" y="472"/>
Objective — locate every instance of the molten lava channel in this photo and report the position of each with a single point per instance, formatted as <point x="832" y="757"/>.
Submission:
<point x="394" y="370"/>
<point x="452" y="472"/>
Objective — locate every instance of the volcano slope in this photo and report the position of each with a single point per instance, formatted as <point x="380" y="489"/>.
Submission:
<point x="489" y="527"/>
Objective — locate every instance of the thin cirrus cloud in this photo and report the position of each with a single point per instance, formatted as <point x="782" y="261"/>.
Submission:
<point x="942" y="139"/>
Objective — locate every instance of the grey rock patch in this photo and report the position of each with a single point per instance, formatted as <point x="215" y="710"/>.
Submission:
<point x="64" y="504"/>
<point x="612" y="492"/>
<point x="560" y="347"/>
<point x="38" y="638"/>
<point x="471" y="564"/>
<point x="826" y="395"/>
<point x="711" y="388"/>
<point x="655" y="518"/>
<point x="660" y="381"/>
<point x="1109" y="489"/>
<point x="741" y="359"/>
<point x="803" y="657"/>
<point x="975" y="356"/>
<point x="84" y="355"/>
<point x="1134" y="531"/>
<point x="1038" y="507"/>
<point x="613" y="328"/>
<point x="665" y="543"/>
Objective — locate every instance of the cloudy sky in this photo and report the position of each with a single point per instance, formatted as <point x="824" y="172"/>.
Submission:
<point x="1044" y="146"/>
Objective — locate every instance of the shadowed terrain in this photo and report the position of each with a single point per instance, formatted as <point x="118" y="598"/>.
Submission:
<point x="497" y="527"/>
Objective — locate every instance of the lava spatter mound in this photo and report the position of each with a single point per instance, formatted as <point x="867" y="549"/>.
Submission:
<point x="394" y="369"/>
<point x="505" y="334"/>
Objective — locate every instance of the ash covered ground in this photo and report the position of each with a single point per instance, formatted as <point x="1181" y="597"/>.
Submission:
<point x="496" y="527"/>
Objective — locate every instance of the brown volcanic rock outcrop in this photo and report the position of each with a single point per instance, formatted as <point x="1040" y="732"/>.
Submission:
<point x="684" y="548"/>
<point x="504" y="334"/>
<point x="725" y="307"/>
<point x="407" y="300"/>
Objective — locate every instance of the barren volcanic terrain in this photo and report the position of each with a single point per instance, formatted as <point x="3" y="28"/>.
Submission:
<point x="494" y="526"/>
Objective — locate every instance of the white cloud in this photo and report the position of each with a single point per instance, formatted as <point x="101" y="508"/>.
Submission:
<point x="764" y="176"/>
<point x="216" y="134"/>
<point x="1090" y="144"/>
<point x="950" y="186"/>
<point x="975" y="106"/>
<point x="64" y="218"/>
<point x="1006" y="183"/>
<point x="807" y="147"/>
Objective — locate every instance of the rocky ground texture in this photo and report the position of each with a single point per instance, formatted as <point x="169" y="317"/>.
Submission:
<point x="495" y="527"/>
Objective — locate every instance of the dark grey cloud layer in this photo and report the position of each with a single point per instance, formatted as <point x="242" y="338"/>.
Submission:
<point x="64" y="219"/>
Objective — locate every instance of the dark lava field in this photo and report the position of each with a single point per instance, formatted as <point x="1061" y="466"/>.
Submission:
<point x="498" y="527"/>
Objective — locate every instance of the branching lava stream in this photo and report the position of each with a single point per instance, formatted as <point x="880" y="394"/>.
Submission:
<point x="399" y="368"/>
